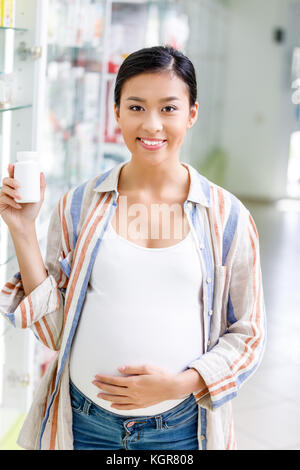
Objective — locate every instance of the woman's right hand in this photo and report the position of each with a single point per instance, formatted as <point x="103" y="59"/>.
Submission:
<point x="16" y="218"/>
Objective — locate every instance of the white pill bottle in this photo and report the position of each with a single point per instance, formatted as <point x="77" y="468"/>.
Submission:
<point x="27" y="173"/>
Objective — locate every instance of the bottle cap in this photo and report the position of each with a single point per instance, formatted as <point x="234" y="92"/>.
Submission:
<point x="26" y="156"/>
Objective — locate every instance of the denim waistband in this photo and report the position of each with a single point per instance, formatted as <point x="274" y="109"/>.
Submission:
<point x="189" y="401"/>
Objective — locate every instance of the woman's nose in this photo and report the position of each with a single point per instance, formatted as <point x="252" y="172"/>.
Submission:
<point x="152" y="123"/>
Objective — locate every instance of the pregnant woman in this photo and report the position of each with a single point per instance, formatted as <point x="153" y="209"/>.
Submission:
<point x="149" y="266"/>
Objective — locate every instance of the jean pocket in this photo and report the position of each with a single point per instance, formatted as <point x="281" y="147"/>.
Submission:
<point x="77" y="402"/>
<point x="182" y="417"/>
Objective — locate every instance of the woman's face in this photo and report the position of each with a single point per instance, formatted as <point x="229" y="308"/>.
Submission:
<point x="146" y="113"/>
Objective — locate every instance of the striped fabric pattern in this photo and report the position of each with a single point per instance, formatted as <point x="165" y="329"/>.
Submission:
<point x="233" y="306"/>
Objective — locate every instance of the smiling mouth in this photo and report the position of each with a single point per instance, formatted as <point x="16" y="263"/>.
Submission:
<point x="151" y="141"/>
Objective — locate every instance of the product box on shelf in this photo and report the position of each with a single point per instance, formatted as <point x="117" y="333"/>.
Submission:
<point x="7" y="12"/>
<point x="91" y="95"/>
<point x="112" y="132"/>
<point x="127" y="31"/>
<point x="76" y="23"/>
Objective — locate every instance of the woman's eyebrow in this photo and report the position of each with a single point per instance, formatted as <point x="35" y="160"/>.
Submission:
<point x="168" y="98"/>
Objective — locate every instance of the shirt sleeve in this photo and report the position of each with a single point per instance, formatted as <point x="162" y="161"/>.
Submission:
<point x="43" y="309"/>
<point x="238" y="353"/>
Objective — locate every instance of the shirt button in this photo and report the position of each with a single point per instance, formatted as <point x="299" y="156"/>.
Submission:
<point x="208" y="280"/>
<point x="208" y="342"/>
<point x="201" y="246"/>
<point x="202" y="437"/>
<point x="210" y="313"/>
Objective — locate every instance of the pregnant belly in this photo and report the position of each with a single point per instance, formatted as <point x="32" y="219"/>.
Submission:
<point x="100" y="347"/>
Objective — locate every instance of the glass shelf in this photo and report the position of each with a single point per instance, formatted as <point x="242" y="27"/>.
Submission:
<point x="85" y="45"/>
<point x="7" y="28"/>
<point x="13" y="107"/>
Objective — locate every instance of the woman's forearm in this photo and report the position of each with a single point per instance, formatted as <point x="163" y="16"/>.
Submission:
<point x="189" y="381"/>
<point x="30" y="260"/>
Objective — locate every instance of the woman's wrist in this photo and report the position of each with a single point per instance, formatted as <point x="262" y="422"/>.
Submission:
<point x="23" y="231"/>
<point x="189" y="381"/>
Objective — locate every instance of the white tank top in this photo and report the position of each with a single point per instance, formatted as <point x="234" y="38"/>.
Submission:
<point x="142" y="305"/>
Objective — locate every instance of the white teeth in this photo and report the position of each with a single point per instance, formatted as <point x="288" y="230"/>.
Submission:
<point x="147" y="142"/>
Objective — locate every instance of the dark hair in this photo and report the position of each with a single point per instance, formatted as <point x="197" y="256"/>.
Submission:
<point x="157" y="59"/>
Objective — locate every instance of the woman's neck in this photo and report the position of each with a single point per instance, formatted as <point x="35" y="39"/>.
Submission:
<point x="154" y="180"/>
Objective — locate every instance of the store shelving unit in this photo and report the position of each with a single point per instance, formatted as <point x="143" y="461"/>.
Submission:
<point x="63" y="108"/>
<point x="17" y="348"/>
<point x="124" y="27"/>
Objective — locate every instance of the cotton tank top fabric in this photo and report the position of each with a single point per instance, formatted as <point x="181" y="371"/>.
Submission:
<point x="143" y="305"/>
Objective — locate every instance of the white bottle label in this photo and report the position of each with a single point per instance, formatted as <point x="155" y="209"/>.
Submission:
<point x="28" y="175"/>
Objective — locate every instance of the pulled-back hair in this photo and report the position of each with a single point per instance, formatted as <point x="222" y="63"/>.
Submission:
<point x="157" y="59"/>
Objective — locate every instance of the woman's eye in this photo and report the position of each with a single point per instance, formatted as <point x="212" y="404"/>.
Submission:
<point x="131" y="107"/>
<point x="170" y="107"/>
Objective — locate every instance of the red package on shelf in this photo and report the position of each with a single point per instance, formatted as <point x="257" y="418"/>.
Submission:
<point x="112" y="67"/>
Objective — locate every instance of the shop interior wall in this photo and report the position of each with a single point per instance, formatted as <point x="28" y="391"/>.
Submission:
<point x="259" y="115"/>
<point x="246" y="115"/>
<point x="207" y="48"/>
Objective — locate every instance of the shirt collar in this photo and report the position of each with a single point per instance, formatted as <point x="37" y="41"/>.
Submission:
<point x="199" y="186"/>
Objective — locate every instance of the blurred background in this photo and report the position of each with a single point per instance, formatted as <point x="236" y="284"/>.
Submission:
<point x="58" y="63"/>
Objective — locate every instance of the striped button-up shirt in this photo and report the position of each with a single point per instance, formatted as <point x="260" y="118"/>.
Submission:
<point x="233" y="313"/>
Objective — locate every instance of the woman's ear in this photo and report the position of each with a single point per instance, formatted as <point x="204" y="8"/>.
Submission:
<point x="117" y="113"/>
<point x="193" y="115"/>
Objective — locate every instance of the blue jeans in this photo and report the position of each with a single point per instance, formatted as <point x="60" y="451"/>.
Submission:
<point x="97" y="428"/>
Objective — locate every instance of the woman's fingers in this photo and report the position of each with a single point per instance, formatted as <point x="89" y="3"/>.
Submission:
<point x="8" y="200"/>
<point x="10" y="192"/>
<point x="11" y="170"/>
<point x="11" y="182"/>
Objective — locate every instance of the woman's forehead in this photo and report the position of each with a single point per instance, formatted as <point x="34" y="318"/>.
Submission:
<point x="154" y="86"/>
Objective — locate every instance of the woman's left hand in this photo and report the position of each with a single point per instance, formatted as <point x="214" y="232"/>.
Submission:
<point x="149" y="384"/>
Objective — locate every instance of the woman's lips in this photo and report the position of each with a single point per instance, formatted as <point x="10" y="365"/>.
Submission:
<point x="151" y="147"/>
